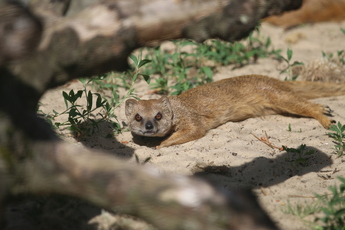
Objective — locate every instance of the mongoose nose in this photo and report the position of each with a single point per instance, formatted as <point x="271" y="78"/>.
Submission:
<point x="149" y="125"/>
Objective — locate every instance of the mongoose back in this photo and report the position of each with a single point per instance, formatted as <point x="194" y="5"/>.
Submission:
<point x="191" y="114"/>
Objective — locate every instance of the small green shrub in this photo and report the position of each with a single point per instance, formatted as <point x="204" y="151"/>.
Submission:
<point x="84" y="120"/>
<point x="338" y="135"/>
<point x="333" y="208"/>
<point x="329" y="209"/>
<point x="302" y="210"/>
<point x="237" y="53"/>
<point x="179" y="70"/>
<point x="288" y="69"/>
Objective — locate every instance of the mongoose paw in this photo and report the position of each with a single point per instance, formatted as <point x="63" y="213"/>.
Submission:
<point x="329" y="123"/>
<point x="328" y="111"/>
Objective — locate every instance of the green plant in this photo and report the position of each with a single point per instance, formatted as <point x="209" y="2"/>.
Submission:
<point x="177" y="70"/>
<point x="80" y="118"/>
<point x="328" y="209"/>
<point x="340" y="53"/>
<point x="340" y="56"/>
<point x="298" y="156"/>
<point x="333" y="208"/>
<point x="180" y="70"/>
<point x="338" y="135"/>
<point x="141" y="163"/>
<point x="238" y="53"/>
<point x="184" y="84"/>
<point x="288" y="69"/>
<point x="302" y="210"/>
<point x="290" y="129"/>
<point x="84" y="120"/>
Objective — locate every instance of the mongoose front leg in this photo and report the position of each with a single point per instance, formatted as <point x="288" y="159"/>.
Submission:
<point x="182" y="136"/>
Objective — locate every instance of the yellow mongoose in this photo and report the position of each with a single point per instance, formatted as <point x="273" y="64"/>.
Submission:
<point x="191" y="114"/>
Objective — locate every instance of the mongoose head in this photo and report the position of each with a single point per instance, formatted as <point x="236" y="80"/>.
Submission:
<point x="152" y="117"/>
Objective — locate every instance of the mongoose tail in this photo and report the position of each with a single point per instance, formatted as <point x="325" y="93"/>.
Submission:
<point x="311" y="90"/>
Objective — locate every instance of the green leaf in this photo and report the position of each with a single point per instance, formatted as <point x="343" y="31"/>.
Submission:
<point x="146" y="78"/>
<point x="134" y="59"/>
<point x="187" y="43"/>
<point x="99" y="100"/>
<point x="207" y="71"/>
<point x="82" y="80"/>
<point x="116" y="97"/>
<point x="65" y="95"/>
<point x="146" y="160"/>
<point x="134" y="77"/>
<point x="66" y="98"/>
<point x="268" y="42"/>
<point x="297" y="63"/>
<point x="89" y="101"/>
<point x="289" y="54"/>
<point x="136" y="158"/>
<point x="342" y="179"/>
<point x="73" y="113"/>
<point x="74" y="97"/>
<point x="323" y="54"/>
<point x="144" y="62"/>
<point x="130" y="91"/>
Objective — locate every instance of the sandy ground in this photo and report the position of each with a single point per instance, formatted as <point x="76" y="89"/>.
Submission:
<point x="276" y="180"/>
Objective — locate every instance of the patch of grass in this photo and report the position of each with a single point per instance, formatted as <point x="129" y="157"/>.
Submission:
<point x="333" y="208"/>
<point x="238" y="53"/>
<point x="328" y="209"/>
<point x="338" y="135"/>
<point x="302" y="210"/>
<point x="340" y="56"/>
<point x="180" y="70"/>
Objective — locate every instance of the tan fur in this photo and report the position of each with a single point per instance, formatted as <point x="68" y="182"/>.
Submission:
<point x="310" y="12"/>
<point x="190" y="115"/>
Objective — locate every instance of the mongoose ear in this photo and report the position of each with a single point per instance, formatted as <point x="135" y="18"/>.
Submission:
<point x="130" y="103"/>
<point x="166" y="107"/>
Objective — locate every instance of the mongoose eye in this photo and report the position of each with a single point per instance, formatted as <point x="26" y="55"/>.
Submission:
<point x="138" y="117"/>
<point x="158" y="116"/>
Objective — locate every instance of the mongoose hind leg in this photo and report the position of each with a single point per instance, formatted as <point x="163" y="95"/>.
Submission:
<point x="304" y="108"/>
